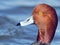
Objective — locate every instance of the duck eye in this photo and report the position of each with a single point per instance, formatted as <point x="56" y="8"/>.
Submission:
<point x="40" y="13"/>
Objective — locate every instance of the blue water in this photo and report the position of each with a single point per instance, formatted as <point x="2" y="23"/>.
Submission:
<point x="13" y="11"/>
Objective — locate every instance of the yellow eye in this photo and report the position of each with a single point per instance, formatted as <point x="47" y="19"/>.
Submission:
<point x="40" y="13"/>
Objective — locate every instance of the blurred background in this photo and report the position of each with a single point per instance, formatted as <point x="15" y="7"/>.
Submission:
<point x="14" y="11"/>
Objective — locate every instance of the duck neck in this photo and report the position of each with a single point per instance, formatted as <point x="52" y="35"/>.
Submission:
<point x="40" y="36"/>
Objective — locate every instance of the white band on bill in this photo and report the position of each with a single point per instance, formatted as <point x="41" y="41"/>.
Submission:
<point x="28" y="21"/>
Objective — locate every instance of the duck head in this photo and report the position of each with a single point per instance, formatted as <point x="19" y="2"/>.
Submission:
<point x="45" y="17"/>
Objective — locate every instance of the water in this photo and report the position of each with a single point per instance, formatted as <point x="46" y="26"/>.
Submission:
<point x="13" y="11"/>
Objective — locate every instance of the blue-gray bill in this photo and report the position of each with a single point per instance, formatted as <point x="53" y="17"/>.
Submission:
<point x="26" y="22"/>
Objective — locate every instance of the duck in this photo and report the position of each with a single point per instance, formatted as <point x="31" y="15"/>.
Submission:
<point x="45" y="18"/>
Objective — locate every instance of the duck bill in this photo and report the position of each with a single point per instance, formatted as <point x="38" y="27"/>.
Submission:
<point x="26" y="22"/>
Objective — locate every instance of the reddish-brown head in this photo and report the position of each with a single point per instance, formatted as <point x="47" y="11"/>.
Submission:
<point x="45" y="18"/>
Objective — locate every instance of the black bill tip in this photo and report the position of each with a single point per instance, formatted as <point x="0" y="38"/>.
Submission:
<point x="18" y="24"/>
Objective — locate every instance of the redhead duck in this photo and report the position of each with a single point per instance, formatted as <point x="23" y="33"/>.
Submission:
<point x="45" y="17"/>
